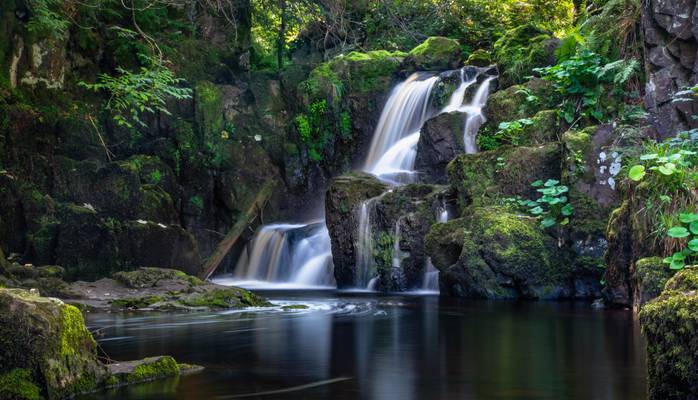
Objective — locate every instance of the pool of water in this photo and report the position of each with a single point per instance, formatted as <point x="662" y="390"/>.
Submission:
<point x="369" y="346"/>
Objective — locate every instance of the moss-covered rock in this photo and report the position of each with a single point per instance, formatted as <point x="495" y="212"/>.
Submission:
<point x="161" y="289"/>
<point x="502" y="255"/>
<point x="485" y="178"/>
<point x="479" y="58"/>
<point x="521" y="49"/>
<point x="434" y="54"/>
<point x="47" y="339"/>
<point x="669" y="324"/>
<point x="342" y="208"/>
<point x="649" y="278"/>
<point x="517" y="102"/>
<point x="440" y="141"/>
<point x="17" y="384"/>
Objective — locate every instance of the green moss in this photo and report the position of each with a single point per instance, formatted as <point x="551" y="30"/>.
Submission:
<point x="295" y="307"/>
<point x="209" y="113"/>
<point x="17" y="384"/>
<point x="479" y="58"/>
<point x="436" y="53"/>
<point x="685" y="280"/>
<point x="74" y="334"/>
<point x="669" y="325"/>
<point x="520" y="50"/>
<point x="136" y="302"/>
<point x="223" y="298"/>
<point x="150" y="370"/>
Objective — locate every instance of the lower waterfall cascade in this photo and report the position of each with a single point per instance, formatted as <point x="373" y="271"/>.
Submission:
<point x="299" y="255"/>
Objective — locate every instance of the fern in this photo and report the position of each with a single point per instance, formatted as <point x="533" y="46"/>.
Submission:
<point x="47" y="18"/>
<point x="132" y="94"/>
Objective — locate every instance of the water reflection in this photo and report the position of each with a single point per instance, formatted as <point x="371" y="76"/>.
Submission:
<point x="406" y="347"/>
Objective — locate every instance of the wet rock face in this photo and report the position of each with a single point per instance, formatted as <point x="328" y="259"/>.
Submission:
<point x="441" y="140"/>
<point x="342" y="202"/>
<point x="671" y="48"/>
<point x="668" y="324"/>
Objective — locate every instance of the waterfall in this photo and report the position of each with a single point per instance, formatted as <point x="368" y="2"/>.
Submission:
<point x="300" y="254"/>
<point x="475" y="117"/>
<point x="431" y="277"/>
<point x="394" y="145"/>
<point x="290" y="254"/>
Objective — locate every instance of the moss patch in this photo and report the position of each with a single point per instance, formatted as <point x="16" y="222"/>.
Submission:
<point x="17" y="384"/>
<point x="152" y="369"/>
<point x="436" y="53"/>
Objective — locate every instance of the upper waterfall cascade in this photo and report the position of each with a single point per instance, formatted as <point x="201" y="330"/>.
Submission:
<point x="299" y="255"/>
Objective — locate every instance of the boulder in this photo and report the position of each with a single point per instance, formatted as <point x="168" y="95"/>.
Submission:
<point x="669" y="325"/>
<point x="436" y="53"/>
<point x="519" y="101"/>
<point x="649" y="278"/>
<point x="440" y="141"/>
<point x="342" y="208"/>
<point x="46" y="347"/>
<point x="493" y="253"/>
<point x="484" y="178"/>
<point x="160" y="289"/>
<point x="479" y="58"/>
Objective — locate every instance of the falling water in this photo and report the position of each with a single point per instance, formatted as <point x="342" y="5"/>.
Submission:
<point x="455" y="103"/>
<point x="431" y="277"/>
<point x="394" y="145"/>
<point x="290" y="254"/>
<point x="475" y="116"/>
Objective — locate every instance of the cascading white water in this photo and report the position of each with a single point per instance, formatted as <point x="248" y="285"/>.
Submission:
<point x="431" y="277"/>
<point x="286" y="254"/>
<point x="394" y="145"/>
<point x="300" y="254"/>
<point x="475" y="117"/>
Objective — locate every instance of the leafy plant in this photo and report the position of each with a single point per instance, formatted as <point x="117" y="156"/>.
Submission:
<point x="510" y="132"/>
<point x="584" y="80"/>
<point x="552" y="207"/>
<point x="670" y="166"/>
<point x="47" y="18"/>
<point x="687" y="232"/>
<point x="132" y="94"/>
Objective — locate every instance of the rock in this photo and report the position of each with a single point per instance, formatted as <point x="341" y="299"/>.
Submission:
<point x="649" y="278"/>
<point x="46" y="346"/>
<point x="479" y="58"/>
<point x="502" y="255"/>
<point x="161" y="289"/>
<point x="342" y="202"/>
<point x="669" y="326"/>
<point x="440" y="141"/>
<point x="521" y="49"/>
<point x="436" y="53"/>
<point x="671" y="43"/>
<point x="146" y="370"/>
<point x="513" y="103"/>
<point x="484" y="178"/>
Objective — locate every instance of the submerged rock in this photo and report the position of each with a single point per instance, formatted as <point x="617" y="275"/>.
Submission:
<point x="161" y="289"/>
<point x="145" y="370"/>
<point x="669" y="324"/>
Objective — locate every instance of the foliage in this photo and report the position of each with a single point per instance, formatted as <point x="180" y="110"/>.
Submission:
<point x="47" y="18"/>
<point x="132" y="94"/>
<point x="586" y="81"/>
<point x="670" y="165"/>
<point x="510" y="132"/>
<point x="552" y="207"/>
<point x="687" y="232"/>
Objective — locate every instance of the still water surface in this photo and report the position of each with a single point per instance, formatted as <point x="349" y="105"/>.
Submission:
<point x="369" y="346"/>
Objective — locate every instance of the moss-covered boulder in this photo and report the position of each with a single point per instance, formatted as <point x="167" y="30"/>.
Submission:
<point x="494" y="253"/>
<point x="479" y="58"/>
<point x="342" y="212"/>
<point x="517" y="102"/>
<point x="488" y="177"/>
<point x="434" y="54"/>
<point x="521" y="49"/>
<point x="146" y="370"/>
<point x="669" y="324"/>
<point x="161" y="289"/>
<point x="46" y="347"/>
<point x="649" y="278"/>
